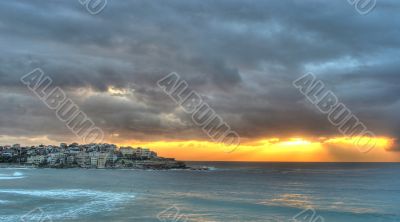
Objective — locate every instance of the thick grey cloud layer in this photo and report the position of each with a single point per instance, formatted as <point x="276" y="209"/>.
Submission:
<point x="242" y="56"/>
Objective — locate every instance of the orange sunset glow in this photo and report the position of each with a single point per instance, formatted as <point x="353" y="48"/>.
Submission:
<point x="336" y="149"/>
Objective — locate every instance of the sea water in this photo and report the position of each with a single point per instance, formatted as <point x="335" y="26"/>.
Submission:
<point x="312" y="192"/>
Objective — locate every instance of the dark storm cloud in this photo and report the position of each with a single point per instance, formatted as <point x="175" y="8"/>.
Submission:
<point x="242" y="56"/>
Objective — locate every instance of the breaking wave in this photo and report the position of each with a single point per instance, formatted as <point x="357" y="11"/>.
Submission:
<point x="86" y="202"/>
<point x="14" y="176"/>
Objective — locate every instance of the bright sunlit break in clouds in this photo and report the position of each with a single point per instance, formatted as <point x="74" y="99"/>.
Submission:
<point x="240" y="56"/>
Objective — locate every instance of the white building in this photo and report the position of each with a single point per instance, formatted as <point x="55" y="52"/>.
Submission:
<point x="102" y="160"/>
<point x="93" y="161"/>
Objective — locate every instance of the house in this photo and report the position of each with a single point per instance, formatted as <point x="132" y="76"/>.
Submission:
<point x="127" y="151"/>
<point x="73" y="150"/>
<point x="36" y="160"/>
<point x="145" y="153"/>
<point x="70" y="160"/>
<point x="102" y="160"/>
<point x="93" y="160"/>
<point x="83" y="159"/>
<point x="9" y="152"/>
<point x="54" y="158"/>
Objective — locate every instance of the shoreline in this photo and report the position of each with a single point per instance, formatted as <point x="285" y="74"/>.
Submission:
<point x="181" y="166"/>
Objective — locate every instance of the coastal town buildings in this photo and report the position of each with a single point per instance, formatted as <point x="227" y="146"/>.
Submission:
<point x="85" y="156"/>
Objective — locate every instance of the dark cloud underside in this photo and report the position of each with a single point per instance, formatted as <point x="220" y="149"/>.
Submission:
<point x="242" y="56"/>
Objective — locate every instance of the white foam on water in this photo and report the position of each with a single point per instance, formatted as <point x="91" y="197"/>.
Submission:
<point x="17" y="174"/>
<point x="13" y="176"/>
<point x="88" y="202"/>
<point x="4" y="201"/>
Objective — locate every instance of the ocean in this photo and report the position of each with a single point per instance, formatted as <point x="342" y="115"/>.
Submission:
<point x="311" y="192"/>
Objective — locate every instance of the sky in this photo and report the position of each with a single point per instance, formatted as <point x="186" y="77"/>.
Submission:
<point x="240" y="56"/>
